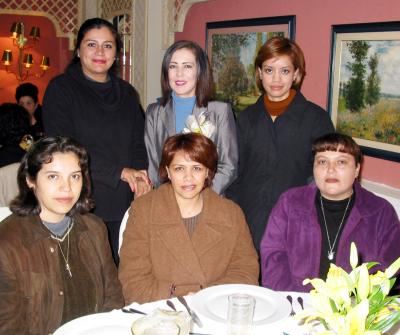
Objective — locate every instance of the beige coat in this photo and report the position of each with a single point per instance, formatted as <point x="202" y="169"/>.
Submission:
<point x="158" y="253"/>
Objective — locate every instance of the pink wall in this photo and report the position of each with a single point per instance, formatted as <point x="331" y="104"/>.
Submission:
<point x="313" y="32"/>
<point x="48" y="45"/>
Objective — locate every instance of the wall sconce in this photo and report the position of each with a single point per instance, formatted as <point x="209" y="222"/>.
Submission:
<point x="25" y="60"/>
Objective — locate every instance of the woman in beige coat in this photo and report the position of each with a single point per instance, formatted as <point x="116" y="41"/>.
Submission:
<point x="184" y="237"/>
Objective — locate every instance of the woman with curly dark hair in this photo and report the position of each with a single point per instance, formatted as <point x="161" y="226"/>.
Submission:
<point x="55" y="260"/>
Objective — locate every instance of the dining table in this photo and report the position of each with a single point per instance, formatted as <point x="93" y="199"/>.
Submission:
<point x="281" y="321"/>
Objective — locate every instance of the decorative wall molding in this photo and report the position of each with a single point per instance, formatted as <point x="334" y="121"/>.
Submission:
<point x="65" y="15"/>
<point x="112" y="8"/>
<point x="139" y="47"/>
<point x="175" y="12"/>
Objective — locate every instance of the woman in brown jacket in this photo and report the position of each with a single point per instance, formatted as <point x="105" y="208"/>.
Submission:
<point x="183" y="237"/>
<point x="55" y="260"/>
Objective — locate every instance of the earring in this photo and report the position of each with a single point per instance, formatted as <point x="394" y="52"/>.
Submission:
<point x="77" y="54"/>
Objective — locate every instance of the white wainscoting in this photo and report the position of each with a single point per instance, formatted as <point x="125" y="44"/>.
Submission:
<point x="389" y="193"/>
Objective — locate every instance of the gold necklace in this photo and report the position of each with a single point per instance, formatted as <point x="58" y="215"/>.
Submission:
<point x="331" y="253"/>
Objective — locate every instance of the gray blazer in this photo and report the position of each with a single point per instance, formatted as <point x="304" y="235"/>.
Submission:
<point x="160" y="124"/>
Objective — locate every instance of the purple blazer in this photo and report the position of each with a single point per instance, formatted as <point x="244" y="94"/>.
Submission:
<point x="291" y="245"/>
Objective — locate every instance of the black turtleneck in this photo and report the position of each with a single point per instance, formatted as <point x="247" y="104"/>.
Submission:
<point x="334" y="212"/>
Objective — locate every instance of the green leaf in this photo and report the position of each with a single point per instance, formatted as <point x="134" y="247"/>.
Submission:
<point x="386" y="323"/>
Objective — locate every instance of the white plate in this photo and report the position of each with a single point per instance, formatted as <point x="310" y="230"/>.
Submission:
<point x="99" y="324"/>
<point x="212" y="303"/>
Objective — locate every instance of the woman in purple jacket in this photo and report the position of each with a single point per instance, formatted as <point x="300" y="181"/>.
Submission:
<point x="313" y="226"/>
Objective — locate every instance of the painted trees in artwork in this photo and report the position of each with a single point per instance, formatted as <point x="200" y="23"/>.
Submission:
<point x="373" y="90"/>
<point x="354" y="89"/>
<point x="229" y="72"/>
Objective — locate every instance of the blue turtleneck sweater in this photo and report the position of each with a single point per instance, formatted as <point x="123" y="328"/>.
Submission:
<point x="183" y="107"/>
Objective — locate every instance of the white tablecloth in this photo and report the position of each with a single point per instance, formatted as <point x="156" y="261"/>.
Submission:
<point x="288" y="325"/>
<point x="106" y="323"/>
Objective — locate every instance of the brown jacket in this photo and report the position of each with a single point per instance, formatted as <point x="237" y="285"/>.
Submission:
<point x="31" y="296"/>
<point x="157" y="251"/>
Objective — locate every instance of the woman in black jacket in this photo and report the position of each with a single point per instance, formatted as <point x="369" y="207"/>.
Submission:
<point x="275" y="134"/>
<point x="91" y="104"/>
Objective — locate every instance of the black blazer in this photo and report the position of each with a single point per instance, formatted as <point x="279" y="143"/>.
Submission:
<point x="274" y="156"/>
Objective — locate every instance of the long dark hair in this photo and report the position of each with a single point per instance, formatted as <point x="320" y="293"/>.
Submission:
<point x="204" y="84"/>
<point x="97" y="23"/>
<point x="42" y="153"/>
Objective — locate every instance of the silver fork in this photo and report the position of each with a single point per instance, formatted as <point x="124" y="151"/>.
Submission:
<point x="289" y="297"/>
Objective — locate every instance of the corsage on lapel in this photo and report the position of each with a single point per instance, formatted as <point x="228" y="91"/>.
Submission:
<point x="200" y="125"/>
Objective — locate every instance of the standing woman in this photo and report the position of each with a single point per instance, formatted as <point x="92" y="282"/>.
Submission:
<point x="91" y="104"/>
<point x="186" y="106"/>
<point x="55" y="260"/>
<point x="275" y="134"/>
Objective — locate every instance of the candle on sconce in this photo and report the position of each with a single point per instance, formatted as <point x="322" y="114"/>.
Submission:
<point x="28" y="60"/>
<point x="7" y="57"/>
<point x="16" y="29"/>
<point x="35" y="33"/>
<point x="45" y="64"/>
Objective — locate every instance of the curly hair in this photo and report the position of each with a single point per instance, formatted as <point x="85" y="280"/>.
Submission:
<point x="27" y="90"/>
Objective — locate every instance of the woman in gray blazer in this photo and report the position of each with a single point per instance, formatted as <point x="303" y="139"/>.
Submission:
<point x="186" y="106"/>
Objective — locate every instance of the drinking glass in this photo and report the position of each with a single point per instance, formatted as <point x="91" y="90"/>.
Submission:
<point x="240" y="314"/>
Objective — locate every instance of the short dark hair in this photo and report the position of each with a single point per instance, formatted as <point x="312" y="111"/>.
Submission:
<point x="198" y="147"/>
<point x="97" y="23"/>
<point x="338" y="142"/>
<point x="281" y="46"/>
<point x="204" y="84"/>
<point x="42" y="153"/>
<point x="27" y="89"/>
<point x="14" y="123"/>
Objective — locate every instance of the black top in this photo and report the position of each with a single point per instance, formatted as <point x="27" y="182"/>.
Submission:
<point x="10" y="154"/>
<point x="334" y="213"/>
<point x="107" y="119"/>
<point x="36" y="130"/>
<point x="274" y="156"/>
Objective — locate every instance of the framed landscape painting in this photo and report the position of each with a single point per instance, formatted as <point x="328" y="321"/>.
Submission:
<point x="232" y="47"/>
<point x="364" y="86"/>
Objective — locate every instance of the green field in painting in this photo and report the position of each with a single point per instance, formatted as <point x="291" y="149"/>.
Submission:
<point x="379" y="123"/>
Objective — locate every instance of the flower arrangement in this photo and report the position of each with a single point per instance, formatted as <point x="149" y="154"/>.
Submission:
<point x="199" y="125"/>
<point x="353" y="304"/>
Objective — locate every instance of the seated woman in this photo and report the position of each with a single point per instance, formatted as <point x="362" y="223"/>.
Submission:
<point x="183" y="236"/>
<point x="55" y="260"/>
<point x="26" y="96"/>
<point x="314" y="225"/>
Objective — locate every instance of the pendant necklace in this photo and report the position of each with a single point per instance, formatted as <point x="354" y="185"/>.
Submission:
<point x="331" y="253"/>
<point x="67" y="266"/>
